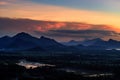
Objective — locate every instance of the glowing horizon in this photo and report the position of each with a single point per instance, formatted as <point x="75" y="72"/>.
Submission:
<point x="39" y="11"/>
<point x="91" y="15"/>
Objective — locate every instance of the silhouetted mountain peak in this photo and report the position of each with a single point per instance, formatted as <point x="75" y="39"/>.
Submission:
<point x="6" y="37"/>
<point x="72" y="41"/>
<point x="112" y="40"/>
<point x="98" y="39"/>
<point x="92" y="41"/>
<point x="22" y="34"/>
<point x="45" y="38"/>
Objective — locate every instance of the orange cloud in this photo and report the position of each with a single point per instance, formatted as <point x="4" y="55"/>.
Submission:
<point x="3" y="3"/>
<point x="27" y="9"/>
<point x="28" y="24"/>
<point x="76" y="30"/>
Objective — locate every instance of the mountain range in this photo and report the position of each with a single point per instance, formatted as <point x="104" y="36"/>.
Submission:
<point x="94" y="44"/>
<point x="25" y="42"/>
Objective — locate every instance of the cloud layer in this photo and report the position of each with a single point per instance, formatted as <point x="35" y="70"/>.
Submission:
<point x="67" y="35"/>
<point x="39" y="25"/>
<point x="38" y="11"/>
<point x="61" y="31"/>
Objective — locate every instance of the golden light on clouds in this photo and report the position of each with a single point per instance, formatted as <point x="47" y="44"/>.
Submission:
<point x="27" y="9"/>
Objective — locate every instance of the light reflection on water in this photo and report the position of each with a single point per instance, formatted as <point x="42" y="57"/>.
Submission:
<point x="87" y="73"/>
<point x="32" y="65"/>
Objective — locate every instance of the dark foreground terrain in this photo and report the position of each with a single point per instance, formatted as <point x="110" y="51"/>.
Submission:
<point x="82" y="65"/>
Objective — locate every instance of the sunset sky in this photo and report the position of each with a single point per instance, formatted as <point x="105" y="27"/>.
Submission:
<point x="95" y="18"/>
